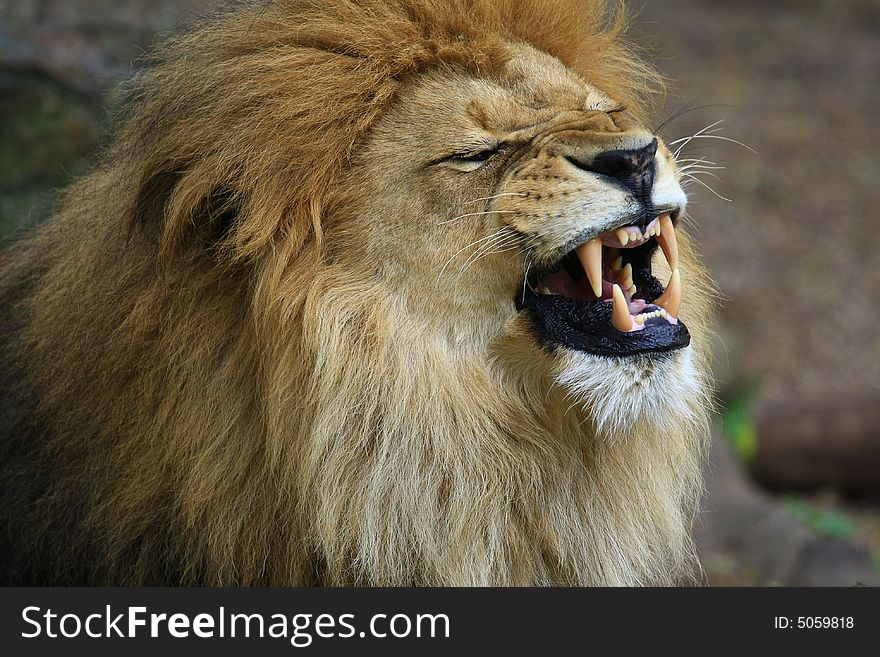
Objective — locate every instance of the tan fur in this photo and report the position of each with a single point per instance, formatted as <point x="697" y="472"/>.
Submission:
<point x="255" y="347"/>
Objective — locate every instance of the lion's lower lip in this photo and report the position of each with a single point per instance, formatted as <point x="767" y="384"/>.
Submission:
<point x="603" y="298"/>
<point x="586" y="327"/>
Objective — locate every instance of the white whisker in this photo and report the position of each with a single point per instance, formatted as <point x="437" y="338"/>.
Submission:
<point x="701" y="131"/>
<point x="506" y="248"/>
<point x="476" y="214"/>
<point x="700" y="182"/>
<point x="695" y="167"/>
<point x="469" y="246"/>
<point x="703" y="173"/>
<point x="487" y="248"/>
<point x="526" y="277"/>
<point x="684" y="141"/>
<point x="698" y="163"/>
<point x="732" y="141"/>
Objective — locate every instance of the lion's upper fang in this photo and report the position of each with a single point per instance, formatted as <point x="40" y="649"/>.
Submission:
<point x="600" y="270"/>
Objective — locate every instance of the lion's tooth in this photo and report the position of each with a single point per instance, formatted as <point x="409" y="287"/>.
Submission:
<point x="617" y="265"/>
<point x="590" y="255"/>
<point x="546" y="290"/>
<point x="668" y="241"/>
<point x="620" y="317"/>
<point x="622" y="236"/>
<point x="626" y="275"/>
<point x="671" y="298"/>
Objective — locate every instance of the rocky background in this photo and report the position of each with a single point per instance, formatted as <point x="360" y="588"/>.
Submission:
<point x="789" y="227"/>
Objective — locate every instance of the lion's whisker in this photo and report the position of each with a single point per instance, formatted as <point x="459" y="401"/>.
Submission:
<point x="490" y="198"/>
<point x="476" y="214"/>
<point x="701" y="131"/>
<point x="695" y="160"/>
<point x="699" y="172"/>
<point x="700" y="182"/>
<point x="526" y="277"/>
<point x="496" y="251"/>
<point x="684" y="141"/>
<point x="488" y="248"/>
<point x="468" y="246"/>
<point x="698" y="163"/>
<point x="720" y="138"/>
<point x="694" y="227"/>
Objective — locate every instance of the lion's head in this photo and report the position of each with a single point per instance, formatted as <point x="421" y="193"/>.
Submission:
<point x="412" y="252"/>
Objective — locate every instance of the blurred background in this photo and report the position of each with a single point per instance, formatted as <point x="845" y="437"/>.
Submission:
<point x="787" y="223"/>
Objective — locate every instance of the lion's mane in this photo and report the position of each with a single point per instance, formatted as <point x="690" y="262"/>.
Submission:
<point x="193" y="394"/>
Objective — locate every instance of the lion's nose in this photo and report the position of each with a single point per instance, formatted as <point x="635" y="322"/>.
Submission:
<point x="626" y="164"/>
<point x="633" y="168"/>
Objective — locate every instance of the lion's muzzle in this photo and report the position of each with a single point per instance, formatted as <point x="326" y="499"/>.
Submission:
<point x="602" y="298"/>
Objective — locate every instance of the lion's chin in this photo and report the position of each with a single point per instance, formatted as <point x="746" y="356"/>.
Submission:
<point x="628" y="396"/>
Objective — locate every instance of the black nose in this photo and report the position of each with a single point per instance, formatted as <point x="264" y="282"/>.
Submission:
<point x="632" y="168"/>
<point x="626" y="164"/>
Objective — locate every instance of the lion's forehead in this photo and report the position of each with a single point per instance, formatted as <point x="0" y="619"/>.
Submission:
<point x="532" y="89"/>
<point x="537" y="76"/>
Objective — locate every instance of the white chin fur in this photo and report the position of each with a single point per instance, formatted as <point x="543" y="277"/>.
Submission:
<point x="623" y="395"/>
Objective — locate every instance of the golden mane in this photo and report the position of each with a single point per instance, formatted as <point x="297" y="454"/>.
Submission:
<point x="219" y="404"/>
<point x="284" y="91"/>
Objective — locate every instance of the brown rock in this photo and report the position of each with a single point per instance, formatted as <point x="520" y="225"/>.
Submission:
<point x="807" y="442"/>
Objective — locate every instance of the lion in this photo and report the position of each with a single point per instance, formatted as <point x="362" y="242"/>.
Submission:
<point x="364" y="293"/>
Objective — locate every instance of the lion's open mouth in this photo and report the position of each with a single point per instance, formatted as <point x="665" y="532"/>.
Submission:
<point x="601" y="297"/>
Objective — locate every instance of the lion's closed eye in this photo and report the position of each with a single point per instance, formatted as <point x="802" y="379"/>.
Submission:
<point x="469" y="158"/>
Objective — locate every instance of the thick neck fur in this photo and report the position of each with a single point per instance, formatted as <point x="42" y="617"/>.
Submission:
<point x="423" y="467"/>
<point x="355" y="450"/>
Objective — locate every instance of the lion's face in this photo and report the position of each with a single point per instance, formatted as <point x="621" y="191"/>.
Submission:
<point x="523" y="215"/>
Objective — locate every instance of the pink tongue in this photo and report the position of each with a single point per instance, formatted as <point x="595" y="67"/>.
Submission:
<point x="561" y="282"/>
<point x="635" y="305"/>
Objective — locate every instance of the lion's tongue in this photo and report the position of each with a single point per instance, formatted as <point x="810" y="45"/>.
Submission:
<point x="590" y="256"/>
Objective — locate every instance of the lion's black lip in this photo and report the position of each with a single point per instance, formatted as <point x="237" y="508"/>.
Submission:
<point x="585" y="326"/>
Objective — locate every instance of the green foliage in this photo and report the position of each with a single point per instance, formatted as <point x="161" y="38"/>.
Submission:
<point x="822" y="521"/>
<point x="739" y="425"/>
<point x="46" y="133"/>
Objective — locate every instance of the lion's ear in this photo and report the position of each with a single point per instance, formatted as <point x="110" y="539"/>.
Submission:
<point x="214" y="218"/>
<point x="185" y="217"/>
<point x="151" y="198"/>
